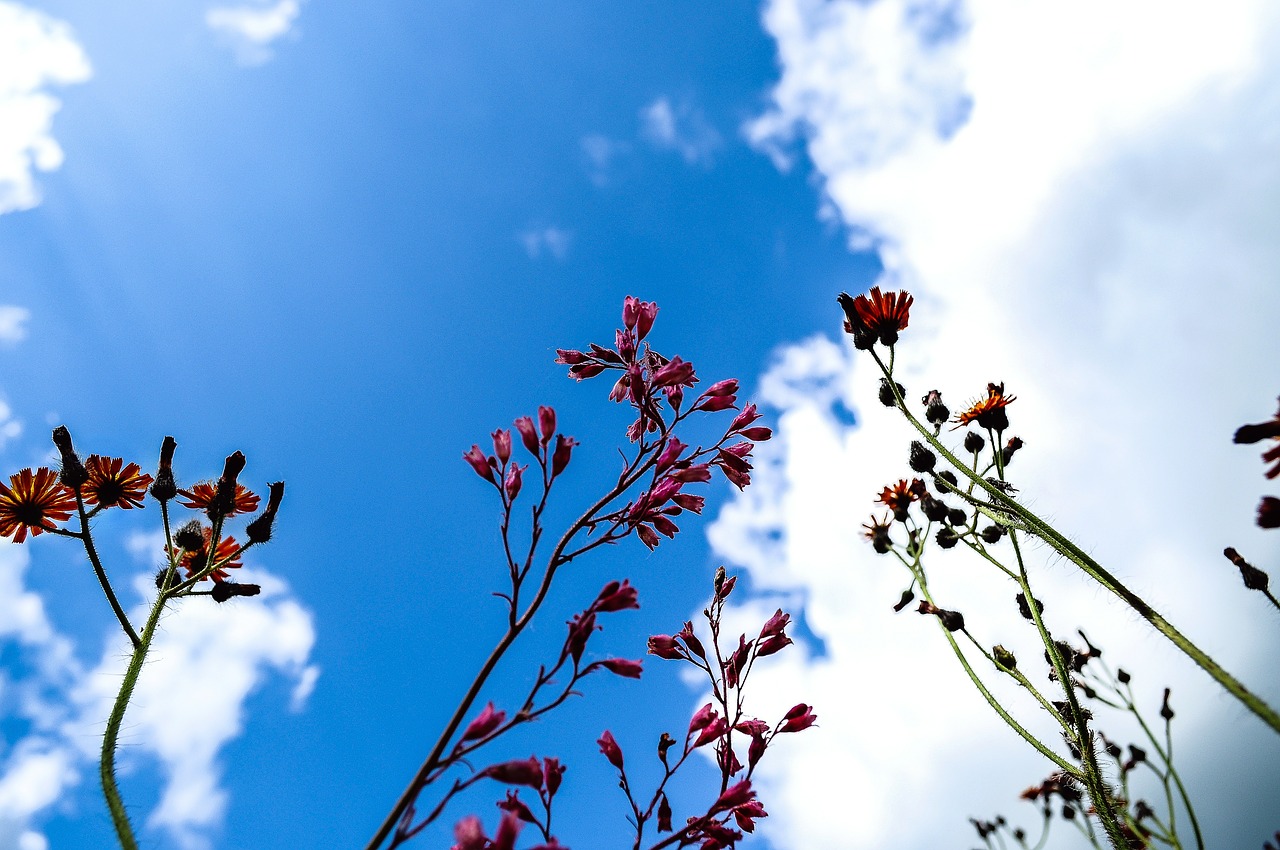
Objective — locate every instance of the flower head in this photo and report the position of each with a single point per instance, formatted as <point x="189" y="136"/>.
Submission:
<point x="876" y="315"/>
<point x="33" y="501"/>
<point x="204" y="497"/>
<point x="113" y="484"/>
<point x="988" y="412"/>
<point x="195" y="560"/>
<point x="898" y="497"/>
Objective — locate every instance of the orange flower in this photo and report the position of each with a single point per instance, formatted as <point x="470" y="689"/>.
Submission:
<point x="195" y="561"/>
<point x="988" y="412"/>
<point x="898" y="497"/>
<point x="33" y="501"/>
<point x="112" y="484"/>
<point x="876" y="315"/>
<point x="203" y="495"/>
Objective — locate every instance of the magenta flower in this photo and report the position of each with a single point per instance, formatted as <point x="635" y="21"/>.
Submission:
<point x="610" y="748"/>
<point x="518" y="772"/>
<point x="553" y="772"/>
<point x="702" y="718"/>
<point x="502" y="445"/>
<point x="527" y="435"/>
<point x="484" y="723"/>
<point x="516" y="806"/>
<point x="689" y="502"/>
<point x="623" y="667"/>
<point x="480" y="464"/>
<point x="665" y="646"/>
<point x="546" y="423"/>
<point x="745" y="418"/>
<point x="581" y="628"/>
<point x="676" y="373"/>
<point x="560" y="459"/>
<point x="734" y="796"/>
<point x="508" y="829"/>
<point x="638" y="315"/>
<point x="512" y="484"/>
<point x="617" y="597"/>
<point x="469" y="834"/>
<point x="715" y="729"/>
<point x="798" y="718"/>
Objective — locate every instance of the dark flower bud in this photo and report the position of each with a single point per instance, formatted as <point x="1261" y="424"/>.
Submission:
<point x="190" y="538"/>
<point x="1006" y="454"/>
<point x="224" y="590"/>
<point x="1113" y="749"/>
<point x="1068" y="812"/>
<point x="1269" y="512"/>
<point x="664" y="815"/>
<point x="1005" y="659"/>
<point x="956" y="516"/>
<point x="935" y="412"/>
<point x="73" y="474"/>
<point x="1137" y="756"/>
<point x="259" y="530"/>
<point x="933" y="508"/>
<point x="1123" y="676"/>
<point x="1025" y="610"/>
<point x="1019" y="834"/>
<point x="224" y="502"/>
<point x="1142" y="810"/>
<point x="1093" y="651"/>
<point x="952" y="621"/>
<point x="1165" y="711"/>
<point x="922" y="459"/>
<point x="992" y="533"/>
<point x="160" y="577"/>
<point x="665" y="743"/>
<point x="907" y="597"/>
<point x="886" y="392"/>
<point x="973" y="442"/>
<point x="949" y="477"/>
<point x="165" y="487"/>
<point x="1254" y="578"/>
<point x="947" y="538"/>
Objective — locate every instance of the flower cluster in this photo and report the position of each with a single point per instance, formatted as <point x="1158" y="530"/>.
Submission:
<point x="1268" y="515"/>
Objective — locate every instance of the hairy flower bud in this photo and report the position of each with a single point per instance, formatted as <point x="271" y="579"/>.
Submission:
<point x="973" y="442"/>
<point x="935" y="412"/>
<point x="73" y="474"/>
<point x="886" y="392"/>
<point x="224" y="590"/>
<point x="922" y="459"/>
<point x="259" y="529"/>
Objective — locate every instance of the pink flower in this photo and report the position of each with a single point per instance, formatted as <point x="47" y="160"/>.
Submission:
<point x="691" y="640"/>
<point x="702" y="718"/>
<point x="560" y="460"/>
<point x="676" y="373"/>
<point x="689" y="502"/>
<point x="798" y="718"/>
<point x="485" y="722"/>
<point x="610" y="748"/>
<point x="714" y="730"/>
<point x="639" y="315"/>
<point x="517" y="807"/>
<point x="617" y="597"/>
<point x="512" y="483"/>
<point x="756" y="751"/>
<point x="546" y="423"/>
<point x="665" y="646"/>
<point x="553" y="771"/>
<point x="745" y="418"/>
<point x="670" y="454"/>
<point x="648" y="536"/>
<point x="581" y="628"/>
<point x="479" y="463"/>
<point x="508" y="829"/>
<point x="517" y="772"/>
<point x="772" y="644"/>
<point x="527" y="435"/>
<point x="697" y="473"/>
<point x="502" y="445"/>
<point x="759" y="433"/>
<point x="734" y="796"/>
<point x="775" y="624"/>
<point x="746" y="813"/>
<point x="469" y="834"/>
<point x="623" y="667"/>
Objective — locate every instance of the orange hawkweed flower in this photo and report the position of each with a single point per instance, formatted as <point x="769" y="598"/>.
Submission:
<point x="898" y="497"/>
<point x="33" y="501"/>
<point x="111" y="484"/>
<point x="204" y="495"/>
<point x="193" y="561"/>
<point x="876" y="315"/>
<point x="988" y="412"/>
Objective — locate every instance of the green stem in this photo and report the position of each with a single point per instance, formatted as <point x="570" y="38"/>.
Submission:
<point x="1094" y="570"/>
<point x="86" y="537"/>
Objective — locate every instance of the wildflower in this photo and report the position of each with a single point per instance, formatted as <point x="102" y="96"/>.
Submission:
<point x="952" y="621"/>
<point x="665" y="646"/>
<point x="1006" y="454"/>
<point x="194" y="560"/>
<point x="610" y="748"/>
<point x="563" y="451"/>
<point x="259" y="530"/>
<point x="33" y="501"/>
<point x="887" y="397"/>
<point x="922" y="459"/>
<point x="898" y="497"/>
<point x="638" y="315"/>
<point x="664" y="815"/>
<point x="517" y="772"/>
<point x="1269" y="512"/>
<point x="935" y="412"/>
<point x="988" y="412"/>
<point x="800" y="717"/>
<point x="484" y="723"/>
<point x="623" y="667"/>
<point x="73" y="472"/>
<point x="876" y="315"/>
<point x="165" y="488"/>
<point x="112" y="484"/>
<point x="553" y="772"/>
<point x="204" y="497"/>
<point x="1254" y="578"/>
<point x="877" y="531"/>
<point x="973" y="442"/>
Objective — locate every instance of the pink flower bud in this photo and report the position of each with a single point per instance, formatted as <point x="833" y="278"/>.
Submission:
<point x="611" y="750"/>
<point x="727" y="587"/>
<point x="711" y="404"/>
<point x="581" y="627"/>
<point x="759" y="433"/>
<point x="502" y="445"/>
<point x="630" y="311"/>
<point x="745" y="418"/>
<point x="479" y="463"/>
<point x="623" y="667"/>
<point x="662" y="491"/>
<point x="485" y="722"/>
<point x="508" y="830"/>
<point x="775" y="624"/>
<point x="648" y="536"/>
<point x="527" y="435"/>
<point x="772" y="644"/>
<point x="517" y="807"/>
<point x="585" y="370"/>
<point x="570" y="357"/>
<point x="689" y="502"/>
<point x="644" y="322"/>
<point x="733" y="797"/>
<point x="752" y="727"/>
<point x="702" y="718"/>
<point x="564" y="448"/>
<point x="698" y="472"/>
<point x="553" y="771"/>
<point x="691" y="640"/>
<point x="518" y="772"/>
<point x="713" y="730"/>
<point x="722" y="389"/>
<point x="670" y="454"/>
<point x="676" y="373"/>
<point x="665" y="526"/>
<point x="617" y="597"/>
<point x="625" y="343"/>
<point x="798" y="718"/>
<point x="469" y="834"/>
<point x="756" y="750"/>
<point x="547" y="423"/>
<point x="745" y="814"/>
<point x="621" y="389"/>
<point x="512" y="484"/>
<point x="665" y="646"/>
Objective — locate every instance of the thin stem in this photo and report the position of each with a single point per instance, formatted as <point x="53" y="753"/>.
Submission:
<point x="86" y="537"/>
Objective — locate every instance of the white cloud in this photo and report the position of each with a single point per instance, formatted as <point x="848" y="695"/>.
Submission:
<point x="1082" y="201"/>
<point x="252" y="29"/>
<point x="681" y="128"/>
<point x="36" y="52"/>
<point x="602" y="153"/>
<point x="552" y="241"/>
<point x="13" y="324"/>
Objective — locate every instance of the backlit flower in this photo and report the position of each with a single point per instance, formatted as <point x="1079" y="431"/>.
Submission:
<point x="113" y="484"/>
<point x="988" y="412"/>
<point x="195" y="560"/>
<point x="876" y="315"/>
<point x="898" y="497"/>
<point x="33" y="501"/>
<point x="202" y="497"/>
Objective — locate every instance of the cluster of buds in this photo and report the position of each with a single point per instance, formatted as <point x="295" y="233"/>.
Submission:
<point x="508" y="477"/>
<point x="1268" y="509"/>
<point x="714" y="726"/>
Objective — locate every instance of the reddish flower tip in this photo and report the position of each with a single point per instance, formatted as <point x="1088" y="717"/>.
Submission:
<point x="33" y="502"/>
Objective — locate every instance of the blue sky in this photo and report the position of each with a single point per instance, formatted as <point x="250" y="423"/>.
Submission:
<point x="347" y="238"/>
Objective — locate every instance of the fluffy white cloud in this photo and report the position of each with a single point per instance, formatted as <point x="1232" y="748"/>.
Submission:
<point x="252" y="29"/>
<point x="13" y="324"/>
<point x="36" y="52"/>
<point x="551" y="241"/>
<point x="1081" y="201"/>
<point x="681" y="128"/>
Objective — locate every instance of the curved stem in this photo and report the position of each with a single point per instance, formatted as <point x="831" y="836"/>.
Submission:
<point x="1094" y="570"/>
<point x="86" y="537"/>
